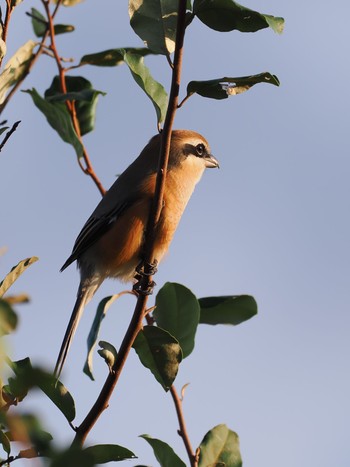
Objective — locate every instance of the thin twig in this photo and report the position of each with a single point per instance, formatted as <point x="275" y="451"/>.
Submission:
<point x="183" y="430"/>
<point x="88" y="169"/>
<point x="9" y="133"/>
<point x="31" y="63"/>
<point x="140" y="310"/>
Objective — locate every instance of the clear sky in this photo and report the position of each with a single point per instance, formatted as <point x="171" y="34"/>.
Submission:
<point x="273" y="222"/>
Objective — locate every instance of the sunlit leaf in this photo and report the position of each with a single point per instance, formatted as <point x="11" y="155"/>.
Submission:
<point x="80" y="90"/>
<point x="108" y="352"/>
<point x="177" y="311"/>
<point x="227" y="15"/>
<point x="220" y="447"/>
<point x="165" y="454"/>
<point x="113" y="57"/>
<point x="103" y="453"/>
<point x="227" y="309"/>
<point x="16" y="68"/>
<point x="222" y="88"/>
<point x="101" y="311"/>
<point x="154" y="90"/>
<point x="59" y="119"/>
<point x="68" y="2"/>
<point x="154" y="21"/>
<point x="15" y="272"/>
<point x="159" y="352"/>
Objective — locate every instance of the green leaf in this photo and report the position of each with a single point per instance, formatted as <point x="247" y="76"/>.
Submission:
<point x="59" y="119"/>
<point x="101" y="311"/>
<point x="177" y="311"/>
<point x="112" y="57"/>
<point x="8" y="318"/>
<point x="15" y="272"/>
<point x="222" y="88"/>
<point x="227" y="309"/>
<point x="86" y="97"/>
<point x="154" y="90"/>
<point x="55" y="391"/>
<point x="63" y="28"/>
<point x="159" y="352"/>
<point x="103" y="453"/>
<point x="227" y="15"/>
<point x="73" y="457"/>
<point x="28" y="377"/>
<point x="39" y="22"/>
<point x="164" y="453"/>
<point x="154" y="21"/>
<point x="220" y="446"/>
<point x="16" y="68"/>
<point x="3" y="129"/>
<point x="5" y="442"/>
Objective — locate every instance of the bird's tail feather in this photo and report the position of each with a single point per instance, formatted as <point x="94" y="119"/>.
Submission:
<point x="85" y="294"/>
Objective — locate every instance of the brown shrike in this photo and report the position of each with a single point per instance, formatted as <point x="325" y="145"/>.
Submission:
<point x="111" y="242"/>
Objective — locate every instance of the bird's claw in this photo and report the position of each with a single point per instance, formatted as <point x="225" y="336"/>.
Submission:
<point x="146" y="269"/>
<point x="139" y="289"/>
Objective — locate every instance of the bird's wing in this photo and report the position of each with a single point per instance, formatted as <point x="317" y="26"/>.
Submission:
<point x="93" y="229"/>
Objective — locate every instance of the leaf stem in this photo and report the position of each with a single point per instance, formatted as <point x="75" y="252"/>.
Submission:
<point x="8" y="134"/>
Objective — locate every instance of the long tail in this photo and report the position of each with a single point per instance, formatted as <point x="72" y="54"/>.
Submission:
<point x="85" y="293"/>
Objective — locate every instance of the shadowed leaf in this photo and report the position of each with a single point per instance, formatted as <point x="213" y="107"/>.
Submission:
<point x="227" y="15"/>
<point x="222" y="88"/>
<point x="227" y="309"/>
<point x="80" y="90"/>
<point x="59" y="119"/>
<point x="103" y="453"/>
<point x="165" y="455"/>
<point x="177" y="311"/>
<point x="154" y="21"/>
<point x="113" y="57"/>
<point x="159" y="352"/>
<point x="220" y="446"/>
<point x="8" y="318"/>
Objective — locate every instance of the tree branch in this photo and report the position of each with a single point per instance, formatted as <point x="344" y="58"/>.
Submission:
<point x="183" y="430"/>
<point x="146" y="281"/>
<point x="8" y="134"/>
<point x="88" y="169"/>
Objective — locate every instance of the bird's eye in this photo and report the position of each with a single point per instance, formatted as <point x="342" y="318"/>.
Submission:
<point x="200" y="149"/>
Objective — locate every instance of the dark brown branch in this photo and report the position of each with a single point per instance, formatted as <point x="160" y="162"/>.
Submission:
<point x="9" y="133"/>
<point x="140" y="310"/>
<point x="193" y="457"/>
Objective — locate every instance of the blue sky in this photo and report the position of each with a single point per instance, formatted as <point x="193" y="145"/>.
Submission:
<point x="273" y="222"/>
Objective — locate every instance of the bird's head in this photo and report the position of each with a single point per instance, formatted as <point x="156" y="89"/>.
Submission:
<point x="191" y="147"/>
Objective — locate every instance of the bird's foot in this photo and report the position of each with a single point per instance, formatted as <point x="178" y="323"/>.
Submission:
<point x="146" y="269"/>
<point x="141" y="290"/>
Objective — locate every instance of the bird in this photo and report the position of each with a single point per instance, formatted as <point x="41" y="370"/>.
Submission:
<point x="110" y="244"/>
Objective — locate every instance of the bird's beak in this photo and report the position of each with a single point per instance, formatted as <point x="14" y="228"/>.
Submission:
<point x="211" y="161"/>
